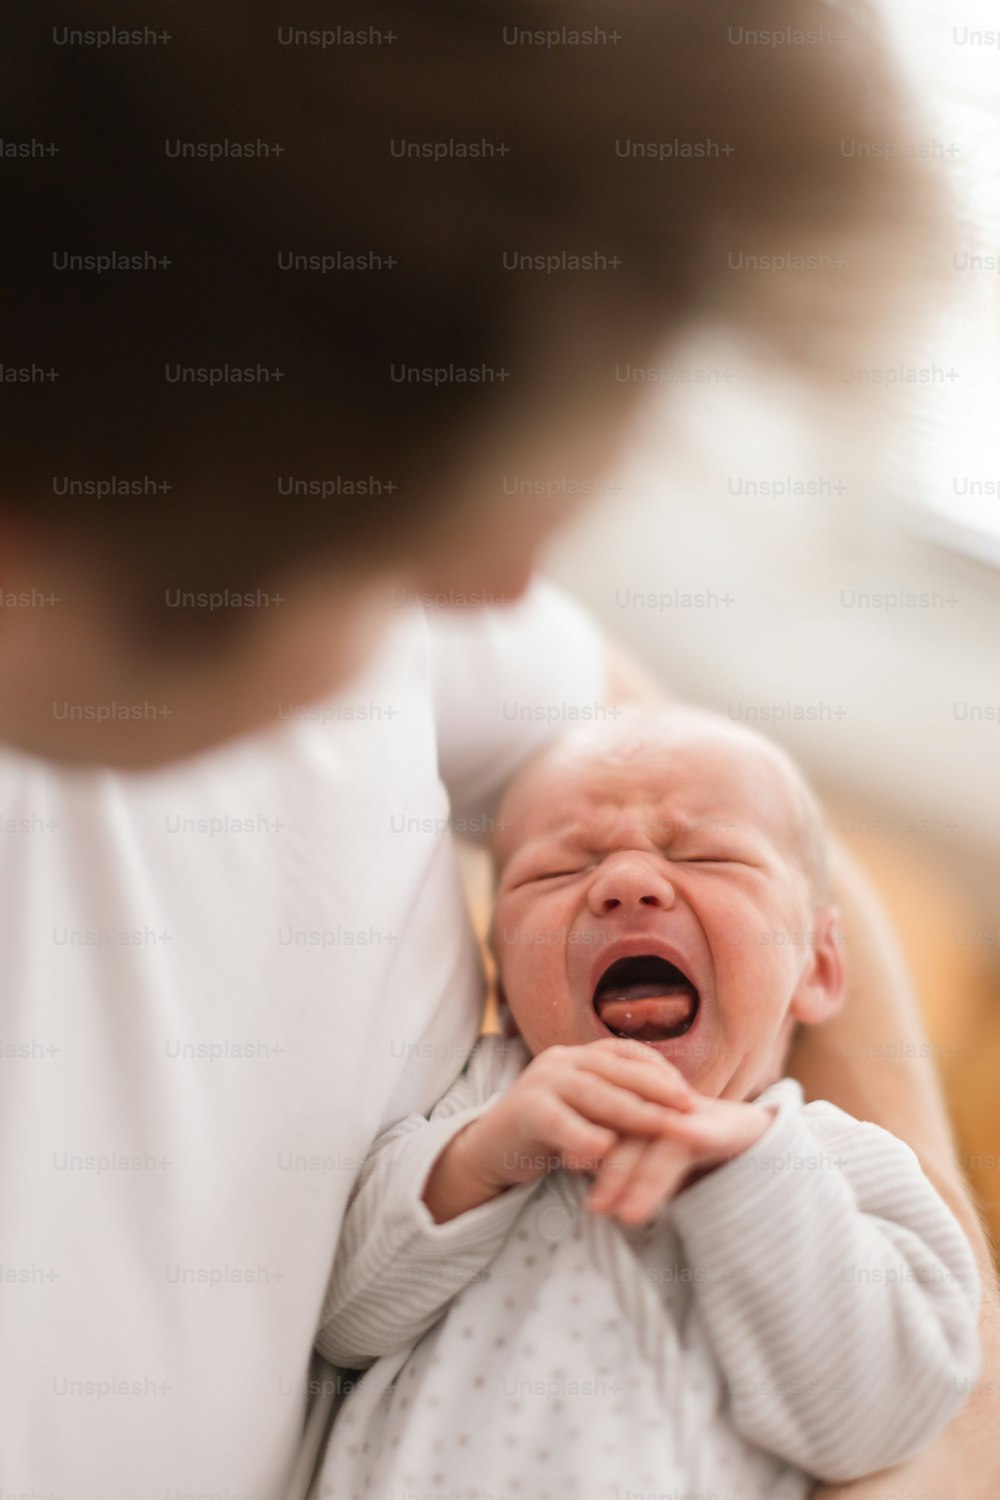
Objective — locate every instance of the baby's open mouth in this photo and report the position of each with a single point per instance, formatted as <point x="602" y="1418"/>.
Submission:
<point x="646" y="998"/>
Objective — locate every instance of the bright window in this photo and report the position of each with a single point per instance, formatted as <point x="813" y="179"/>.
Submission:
<point x="948" y="472"/>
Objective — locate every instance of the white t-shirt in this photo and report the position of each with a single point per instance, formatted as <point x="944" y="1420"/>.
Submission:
<point x="218" y="985"/>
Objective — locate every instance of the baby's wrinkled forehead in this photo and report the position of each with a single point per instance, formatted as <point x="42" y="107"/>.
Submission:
<point x="667" y="769"/>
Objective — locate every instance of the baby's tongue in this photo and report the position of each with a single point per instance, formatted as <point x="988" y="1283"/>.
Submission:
<point x="646" y="1011"/>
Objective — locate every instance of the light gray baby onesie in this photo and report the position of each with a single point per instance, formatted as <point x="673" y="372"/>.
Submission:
<point x="808" y="1309"/>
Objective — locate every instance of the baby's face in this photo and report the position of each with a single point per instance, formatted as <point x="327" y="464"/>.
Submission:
<point x="652" y="887"/>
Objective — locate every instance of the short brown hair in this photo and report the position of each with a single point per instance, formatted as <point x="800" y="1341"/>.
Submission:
<point x="545" y="117"/>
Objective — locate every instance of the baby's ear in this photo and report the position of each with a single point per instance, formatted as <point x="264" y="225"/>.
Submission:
<point x="820" y="989"/>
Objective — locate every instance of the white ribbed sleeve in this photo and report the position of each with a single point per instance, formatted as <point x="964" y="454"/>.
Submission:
<point x="843" y="1297"/>
<point x="396" y="1270"/>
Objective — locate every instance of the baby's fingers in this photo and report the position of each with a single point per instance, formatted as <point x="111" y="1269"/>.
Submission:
<point x="656" y="1175"/>
<point x="580" y="1145"/>
<point x="639" y="1068"/>
<point x="614" y="1173"/>
<point x="605" y="1103"/>
<point x="719" y="1128"/>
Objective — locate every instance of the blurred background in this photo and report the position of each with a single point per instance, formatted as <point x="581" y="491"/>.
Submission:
<point x="828" y="569"/>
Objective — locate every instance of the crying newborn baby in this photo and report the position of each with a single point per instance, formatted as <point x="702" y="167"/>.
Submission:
<point x="623" y="1257"/>
<point x="666" y="880"/>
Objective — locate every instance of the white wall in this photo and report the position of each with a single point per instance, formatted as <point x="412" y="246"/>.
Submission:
<point x="889" y="690"/>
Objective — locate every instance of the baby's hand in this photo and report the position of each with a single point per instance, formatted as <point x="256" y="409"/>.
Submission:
<point x="569" y="1108"/>
<point x="639" y="1176"/>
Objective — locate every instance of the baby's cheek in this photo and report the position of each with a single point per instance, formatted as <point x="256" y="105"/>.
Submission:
<point x="773" y="982"/>
<point x="753" y="974"/>
<point x="518" y="947"/>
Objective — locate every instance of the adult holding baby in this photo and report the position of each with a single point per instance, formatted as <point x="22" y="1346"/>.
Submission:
<point x="167" y="428"/>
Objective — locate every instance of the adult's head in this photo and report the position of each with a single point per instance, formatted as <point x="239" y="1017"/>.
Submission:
<point x="311" y="288"/>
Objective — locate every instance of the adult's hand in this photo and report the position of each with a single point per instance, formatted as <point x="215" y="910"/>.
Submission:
<point x="842" y="1062"/>
<point x="962" y="1464"/>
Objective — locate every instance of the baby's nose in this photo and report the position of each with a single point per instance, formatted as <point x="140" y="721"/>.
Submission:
<point x="629" y="882"/>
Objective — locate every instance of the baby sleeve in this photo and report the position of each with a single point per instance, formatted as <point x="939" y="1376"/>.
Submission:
<point x="843" y="1297"/>
<point x="396" y="1270"/>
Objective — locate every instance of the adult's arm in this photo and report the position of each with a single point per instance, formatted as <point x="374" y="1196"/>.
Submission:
<point x="900" y="1091"/>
